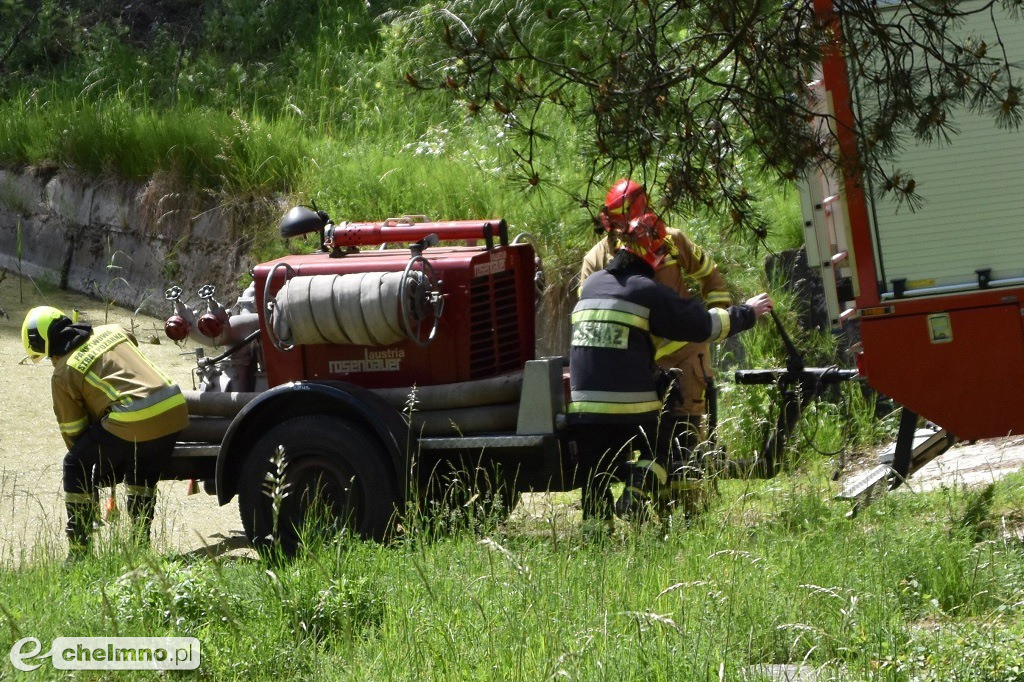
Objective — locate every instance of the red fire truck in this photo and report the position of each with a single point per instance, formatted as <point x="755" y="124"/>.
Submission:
<point x="938" y="291"/>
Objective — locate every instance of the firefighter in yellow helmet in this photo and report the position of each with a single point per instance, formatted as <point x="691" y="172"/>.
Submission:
<point x="118" y="413"/>
<point x="682" y="263"/>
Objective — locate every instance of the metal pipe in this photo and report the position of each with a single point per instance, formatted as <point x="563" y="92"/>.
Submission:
<point x="363" y="234"/>
<point x="253" y="335"/>
<point x="500" y="390"/>
<point x="216" y="403"/>
<point x="461" y="422"/>
<point x="205" y="430"/>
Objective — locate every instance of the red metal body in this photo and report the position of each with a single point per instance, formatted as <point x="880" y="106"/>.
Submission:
<point x="973" y="384"/>
<point x="970" y="380"/>
<point x="397" y="230"/>
<point x="486" y="328"/>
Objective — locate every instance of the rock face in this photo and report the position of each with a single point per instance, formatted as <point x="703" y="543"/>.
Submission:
<point x="791" y="268"/>
<point x="122" y="243"/>
<point x="793" y="271"/>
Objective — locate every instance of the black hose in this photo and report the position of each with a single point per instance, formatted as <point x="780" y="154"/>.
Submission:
<point x="231" y="351"/>
<point x="794" y="359"/>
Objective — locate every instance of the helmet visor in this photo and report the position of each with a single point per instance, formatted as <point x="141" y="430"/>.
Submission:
<point x="614" y="221"/>
<point x="36" y="342"/>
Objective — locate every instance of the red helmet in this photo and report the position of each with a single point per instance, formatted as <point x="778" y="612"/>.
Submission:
<point x="645" y="237"/>
<point x="626" y="201"/>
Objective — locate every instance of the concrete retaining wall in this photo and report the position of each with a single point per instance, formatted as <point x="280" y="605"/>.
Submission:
<point x="120" y="242"/>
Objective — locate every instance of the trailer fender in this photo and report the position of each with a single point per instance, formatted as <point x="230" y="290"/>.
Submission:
<point x="283" y="402"/>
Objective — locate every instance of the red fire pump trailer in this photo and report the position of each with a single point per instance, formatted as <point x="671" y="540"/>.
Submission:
<point x="937" y="291"/>
<point x="382" y="371"/>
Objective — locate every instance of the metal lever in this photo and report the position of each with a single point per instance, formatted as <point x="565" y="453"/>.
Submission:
<point x="794" y="360"/>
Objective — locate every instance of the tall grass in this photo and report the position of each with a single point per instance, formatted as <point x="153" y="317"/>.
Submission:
<point x="203" y="148"/>
<point x="772" y="574"/>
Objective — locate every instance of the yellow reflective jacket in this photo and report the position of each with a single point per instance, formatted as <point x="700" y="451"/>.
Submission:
<point x="108" y="379"/>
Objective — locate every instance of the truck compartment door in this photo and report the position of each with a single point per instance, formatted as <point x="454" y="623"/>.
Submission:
<point x="962" y="369"/>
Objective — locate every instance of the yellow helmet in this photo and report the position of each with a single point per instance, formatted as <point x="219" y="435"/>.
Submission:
<point x="35" y="332"/>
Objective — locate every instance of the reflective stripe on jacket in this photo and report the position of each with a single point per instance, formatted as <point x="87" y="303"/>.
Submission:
<point x="108" y="379"/>
<point x="686" y="261"/>
<point x="611" y="359"/>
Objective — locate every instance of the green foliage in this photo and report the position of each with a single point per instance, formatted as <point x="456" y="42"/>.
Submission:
<point x="338" y="607"/>
<point x="702" y="100"/>
<point x="186" y="597"/>
<point x="1009" y="500"/>
<point x="976" y="517"/>
<point x="979" y="651"/>
<point x="781" y="209"/>
<point x="286" y="71"/>
<point x="200" y="148"/>
<point x="36" y="36"/>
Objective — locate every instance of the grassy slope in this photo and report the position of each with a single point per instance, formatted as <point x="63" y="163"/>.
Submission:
<point x="316" y="109"/>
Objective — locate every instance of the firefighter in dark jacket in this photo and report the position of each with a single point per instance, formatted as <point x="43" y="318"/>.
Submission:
<point x="692" y="273"/>
<point x="118" y="413"/>
<point x="613" y="375"/>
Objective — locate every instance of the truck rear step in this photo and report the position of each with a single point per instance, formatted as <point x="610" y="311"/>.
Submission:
<point x="900" y="461"/>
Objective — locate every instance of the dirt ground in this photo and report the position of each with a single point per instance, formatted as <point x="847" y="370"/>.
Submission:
<point x="969" y="464"/>
<point x="31" y="449"/>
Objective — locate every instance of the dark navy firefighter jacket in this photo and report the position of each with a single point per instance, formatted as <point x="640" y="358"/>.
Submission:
<point x="612" y="373"/>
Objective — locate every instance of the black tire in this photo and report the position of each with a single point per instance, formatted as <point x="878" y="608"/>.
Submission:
<point x="332" y="468"/>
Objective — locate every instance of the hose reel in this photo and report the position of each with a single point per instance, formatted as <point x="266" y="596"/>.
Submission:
<point x="364" y="309"/>
<point x="420" y="294"/>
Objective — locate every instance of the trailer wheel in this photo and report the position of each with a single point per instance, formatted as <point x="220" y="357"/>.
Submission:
<point x="315" y="475"/>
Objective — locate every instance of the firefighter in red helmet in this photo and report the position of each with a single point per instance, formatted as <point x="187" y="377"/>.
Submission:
<point x="613" y="378"/>
<point x="626" y="200"/>
<point x="118" y="413"/>
<point x="689" y="271"/>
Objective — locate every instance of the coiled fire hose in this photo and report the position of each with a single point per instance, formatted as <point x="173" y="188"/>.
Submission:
<point x="364" y="309"/>
<point x="358" y="309"/>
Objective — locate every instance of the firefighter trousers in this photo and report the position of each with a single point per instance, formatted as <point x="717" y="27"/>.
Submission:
<point x="605" y="449"/>
<point x="99" y="458"/>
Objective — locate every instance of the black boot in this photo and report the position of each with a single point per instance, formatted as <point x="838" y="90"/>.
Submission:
<point x="689" y="434"/>
<point x="82" y="509"/>
<point x="692" y="480"/>
<point x="644" y="482"/>
<point x="141" y="503"/>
